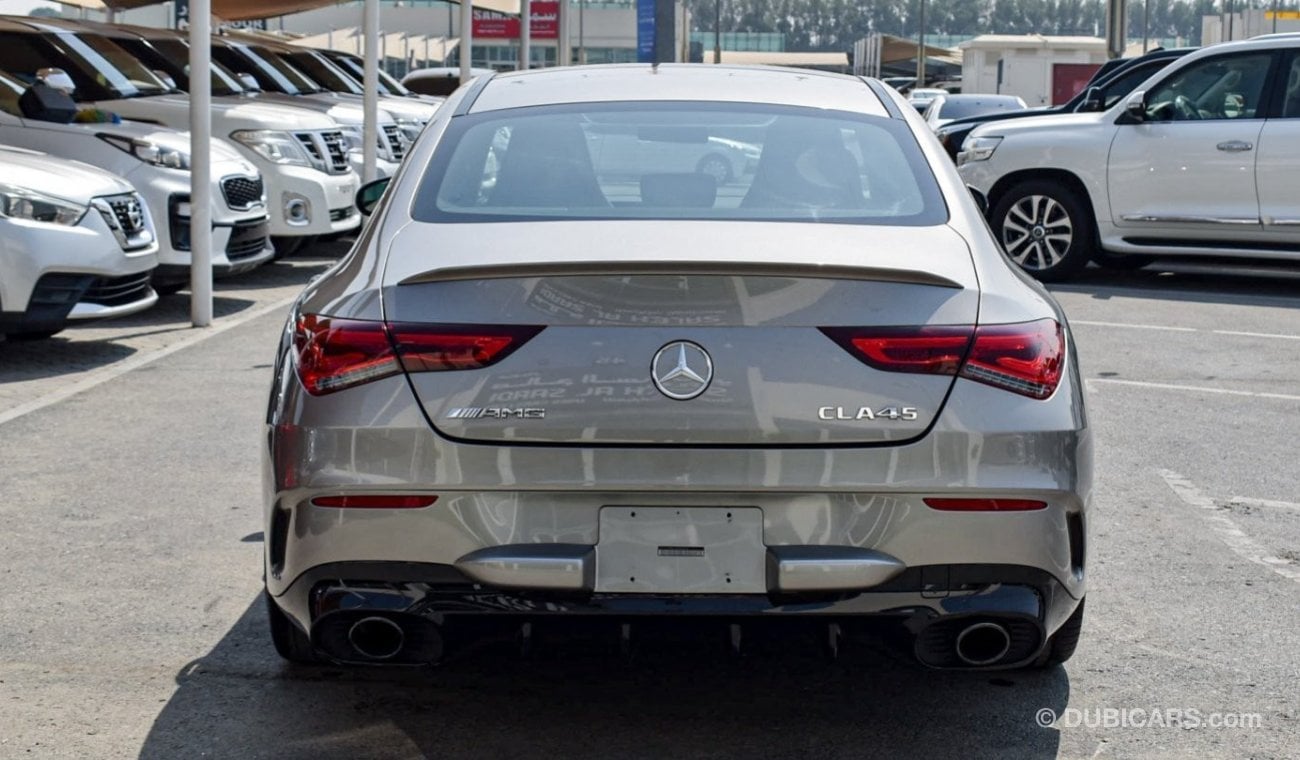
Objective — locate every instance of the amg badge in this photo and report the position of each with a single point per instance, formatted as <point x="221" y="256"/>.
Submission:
<point x="900" y="413"/>
<point x="495" y="412"/>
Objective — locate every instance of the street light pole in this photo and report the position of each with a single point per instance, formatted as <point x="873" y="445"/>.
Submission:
<point x="1146" y="16"/>
<point x="717" y="31"/>
<point x="920" y="48"/>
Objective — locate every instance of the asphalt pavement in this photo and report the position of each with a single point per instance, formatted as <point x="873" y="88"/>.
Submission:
<point x="132" y="623"/>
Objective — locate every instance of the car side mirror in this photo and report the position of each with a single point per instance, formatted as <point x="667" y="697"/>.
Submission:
<point x="166" y="78"/>
<point x="248" y="82"/>
<point x="370" y="194"/>
<point x="1136" y="106"/>
<point x="981" y="199"/>
<point x="1093" y="100"/>
<point x="57" y="79"/>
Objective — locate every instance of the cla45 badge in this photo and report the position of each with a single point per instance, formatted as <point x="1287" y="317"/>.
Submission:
<point x="901" y="413"/>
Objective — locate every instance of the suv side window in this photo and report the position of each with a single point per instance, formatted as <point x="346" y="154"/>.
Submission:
<point x="1291" y="88"/>
<point x="1227" y="87"/>
<point x="1127" y="81"/>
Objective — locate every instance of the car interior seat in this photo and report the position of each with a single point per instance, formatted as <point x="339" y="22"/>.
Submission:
<point x="547" y="164"/>
<point x="804" y="167"/>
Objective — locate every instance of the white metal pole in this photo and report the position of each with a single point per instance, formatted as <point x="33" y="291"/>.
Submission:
<point x="525" y="34"/>
<point x="564" y="46"/>
<point x="466" y="38"/>
<point x="582" y="32"/>
<point x="200" y="164"/>
<point x="370" y="84"/>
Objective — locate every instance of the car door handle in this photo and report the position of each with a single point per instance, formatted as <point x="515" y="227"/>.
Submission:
<point x="1235" y="146"/>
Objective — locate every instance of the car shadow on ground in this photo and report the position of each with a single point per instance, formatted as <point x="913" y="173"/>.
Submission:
<point x="1236" y="282"/>
<point x="679" y="697"/>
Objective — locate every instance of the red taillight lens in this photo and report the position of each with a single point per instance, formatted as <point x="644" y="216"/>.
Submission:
<point x="375" y="501"/>
<point x="434" y="348"/>
<point x="1025" y="358"/>
<point x="922" y="350"/>
<point x="334" y="354"/>
<point x="985" y="505"/>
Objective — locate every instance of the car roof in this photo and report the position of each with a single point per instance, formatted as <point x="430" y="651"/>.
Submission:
<point x="678" y="82"/>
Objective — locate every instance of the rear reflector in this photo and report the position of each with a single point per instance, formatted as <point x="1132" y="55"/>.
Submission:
<point x="985" y="505"/>
<point x="1025" y="358"/>
<point x="375" y="501"/>
<point x="334" y="354"/>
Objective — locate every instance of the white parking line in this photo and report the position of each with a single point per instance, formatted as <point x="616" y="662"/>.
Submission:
<point x="1172" y="328"/>
<point x="1189" y="388"/>
<point x="1263" y="503"/>
<point x="1244" y="546"/>
<point x="139" y="360"/>
<point x="1135" y="327"/>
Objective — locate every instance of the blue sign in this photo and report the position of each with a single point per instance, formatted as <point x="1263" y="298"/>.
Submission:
<point x="645" y="31"/>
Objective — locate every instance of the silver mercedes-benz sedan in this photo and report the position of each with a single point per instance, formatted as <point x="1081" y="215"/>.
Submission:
<point x="551" y="381"/>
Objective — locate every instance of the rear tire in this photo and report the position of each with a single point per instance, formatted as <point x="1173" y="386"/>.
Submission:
<point x="1062" y="645"/>
<point x="1046" y="228"/>
<point x="290" y="641"/>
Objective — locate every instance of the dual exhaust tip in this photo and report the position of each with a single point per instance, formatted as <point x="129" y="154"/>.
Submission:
<point x="983" y="643"/>
<point x="373" y="637"/>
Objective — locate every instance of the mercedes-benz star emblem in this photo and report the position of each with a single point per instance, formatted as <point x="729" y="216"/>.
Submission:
<point x="682" y="370"/>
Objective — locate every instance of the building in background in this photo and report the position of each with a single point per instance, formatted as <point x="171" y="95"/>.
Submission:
<point x="1246" y="24"/>
<point x="1041" y="70"/>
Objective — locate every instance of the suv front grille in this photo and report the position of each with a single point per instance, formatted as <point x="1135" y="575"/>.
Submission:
<point x="325" y="150"/>
<point x="394" y="140"/>
<point x="125" y="216"/>
<point x="242" y="193"/>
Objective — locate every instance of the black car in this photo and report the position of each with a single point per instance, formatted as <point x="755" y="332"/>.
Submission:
<point x="1108" y="85"/>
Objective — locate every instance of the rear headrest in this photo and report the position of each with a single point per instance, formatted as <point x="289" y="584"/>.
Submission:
<point x="678" y="190"/>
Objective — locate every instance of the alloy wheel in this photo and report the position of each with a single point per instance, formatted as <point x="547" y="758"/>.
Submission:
<point x="1037" y="232"/>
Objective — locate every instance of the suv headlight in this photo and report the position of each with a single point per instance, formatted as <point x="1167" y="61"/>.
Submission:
<point x="150" y="153"/>
<point x="20" y="203"/>
<point x="409" y="129"/>
<point x="276" y="147"/>
<point x="353" y="139"/>
<point x="977" y="149"/>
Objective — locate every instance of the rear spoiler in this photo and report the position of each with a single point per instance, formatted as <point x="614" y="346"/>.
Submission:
<point x="677" y="267"/>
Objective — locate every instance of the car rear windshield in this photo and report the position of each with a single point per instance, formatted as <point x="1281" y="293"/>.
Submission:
<point x="955" y="108"/>
<point x="679" y="161"/>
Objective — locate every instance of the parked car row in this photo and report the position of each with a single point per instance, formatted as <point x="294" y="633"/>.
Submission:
<point x="1182" y="153"/>
<point x="103" y="108"/>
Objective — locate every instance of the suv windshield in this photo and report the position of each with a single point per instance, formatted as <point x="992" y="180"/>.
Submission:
<point x="322" y="72"/>
<point x="172" y="56"/>
<point x="99" y="69"/>
<point x="679" y="161"/>
<point x="270" y="72"/>
<point x="387" y="85"/>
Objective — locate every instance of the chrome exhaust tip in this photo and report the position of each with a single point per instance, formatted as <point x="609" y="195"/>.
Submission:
<point x="983" y="643"/>
<point x="376" y="638"/>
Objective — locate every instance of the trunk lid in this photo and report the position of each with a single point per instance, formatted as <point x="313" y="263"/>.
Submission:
<point x="741" y="316"/>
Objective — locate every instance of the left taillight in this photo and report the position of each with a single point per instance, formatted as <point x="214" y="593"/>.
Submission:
<point x="333" y="354"/>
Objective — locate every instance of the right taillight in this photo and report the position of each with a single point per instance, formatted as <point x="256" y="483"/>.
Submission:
<point x="333" y="354"/>
<point x="1025" y="358"/>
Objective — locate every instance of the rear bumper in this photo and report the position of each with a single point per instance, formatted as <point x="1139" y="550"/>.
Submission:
<point x="930" y="604"/>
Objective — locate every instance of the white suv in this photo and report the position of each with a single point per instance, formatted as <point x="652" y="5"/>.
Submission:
<point x="156" y="161"/>
<point x="301" y="155"/>
<point x="1202" y="159"/>
<point x="75" y="243"/>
